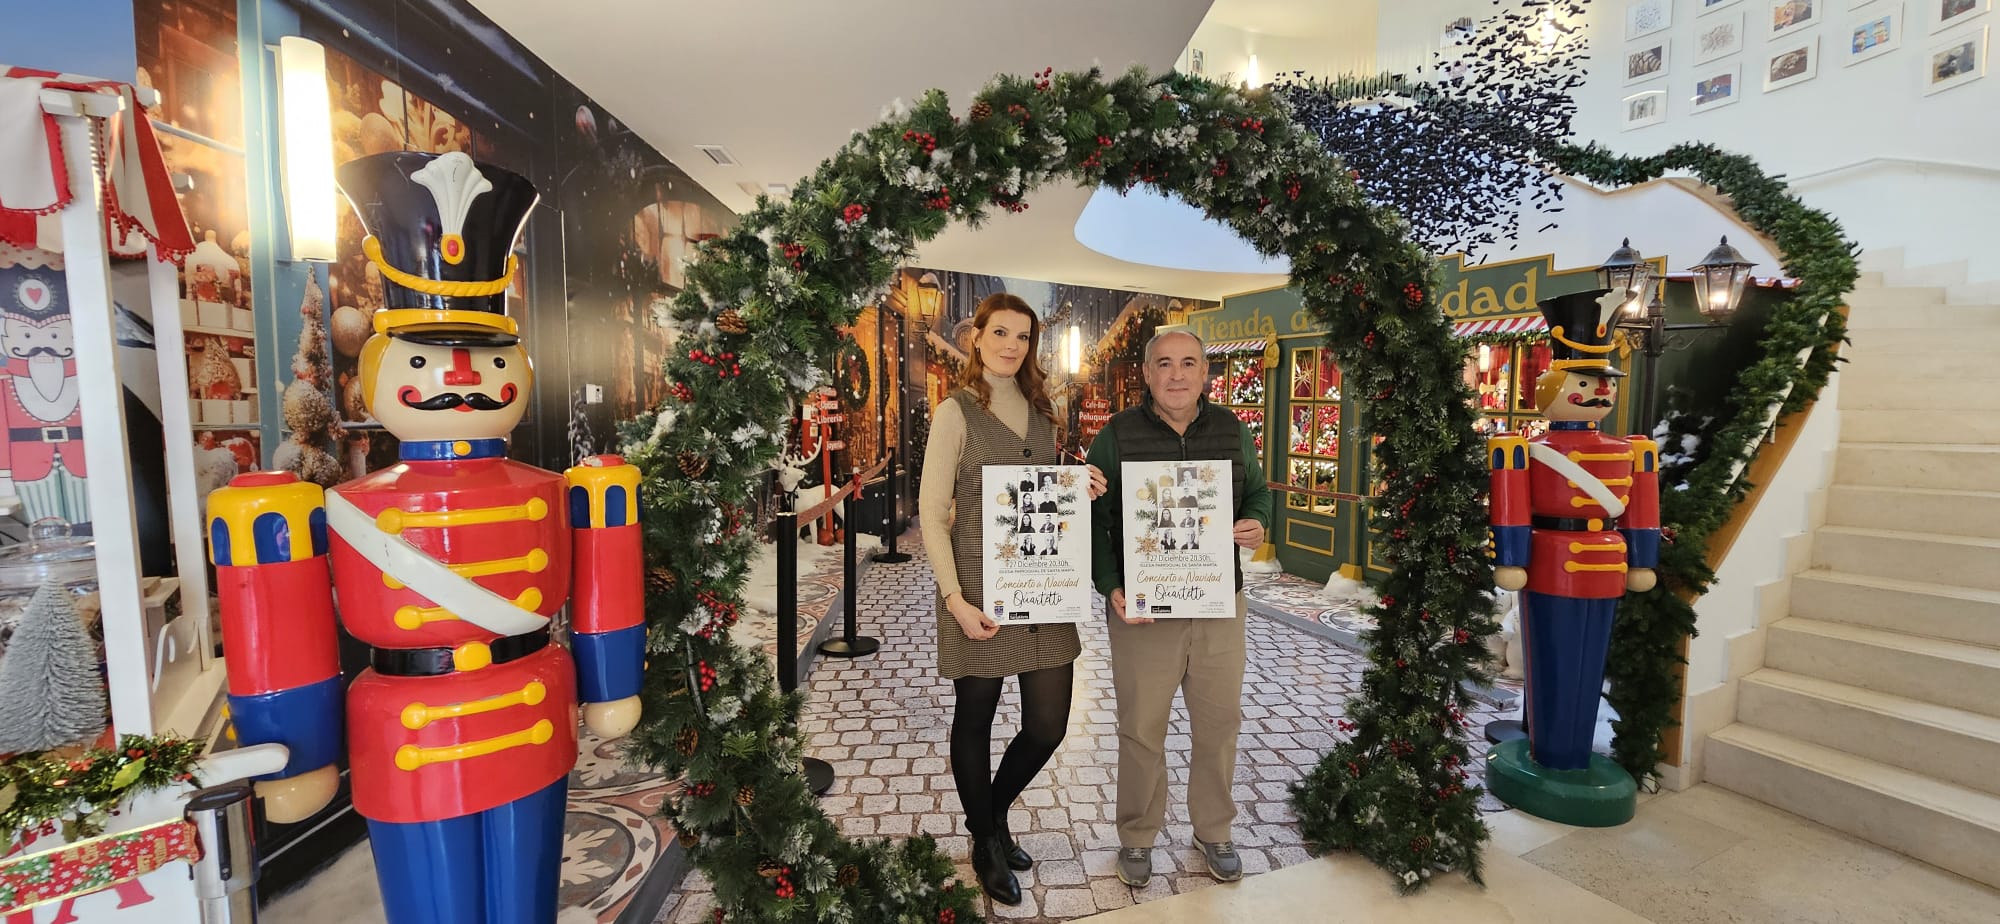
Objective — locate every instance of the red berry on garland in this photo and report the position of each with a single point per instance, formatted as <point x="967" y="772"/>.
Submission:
<point x="1360" y="289"/>
<point x="1461" y="636"/>
<point x="947" y="916"/>
<point x="854" y="213"/>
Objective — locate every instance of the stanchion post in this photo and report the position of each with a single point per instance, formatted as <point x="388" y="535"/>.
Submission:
<point x="849" y="644"/>
<point x="892" y="495"/>
<point x="819" y="773"/>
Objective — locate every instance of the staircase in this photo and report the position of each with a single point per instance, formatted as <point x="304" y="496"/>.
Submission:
<point x="1877" y="710"/>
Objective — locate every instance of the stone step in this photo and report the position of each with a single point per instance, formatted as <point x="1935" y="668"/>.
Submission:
<point x="1948" y="826"/>
<point x="1925" y="339"/>
<point x="1917" y="365"/>
<point x="1872" y="298"/>
<point x="1944" y="466"/>
<point x="1907" y="391"/>
<point x="1934" y="670"/>
<point x="1924" y="315"/>
<point x="1864" y="425"/>
<point x="1934" y="558"/>
<point x="1949" y="744"/>
<point x="1942" y="611"/>
<point x="1921" y="510"/>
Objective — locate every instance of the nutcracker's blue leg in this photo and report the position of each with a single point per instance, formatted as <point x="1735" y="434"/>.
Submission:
<point x="524" y="847"/>
<point x="1566" y="640"/>
<point x="430" y="870"/>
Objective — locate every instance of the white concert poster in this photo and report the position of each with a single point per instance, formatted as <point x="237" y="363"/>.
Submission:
<point x="1037" y="562"/>
<point x="1180" y="557"/>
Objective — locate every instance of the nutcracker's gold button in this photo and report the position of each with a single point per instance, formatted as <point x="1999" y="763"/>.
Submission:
<point x="461" y="448"/>
<point x="1595" y="524"/>
<point x="471" y="656"/>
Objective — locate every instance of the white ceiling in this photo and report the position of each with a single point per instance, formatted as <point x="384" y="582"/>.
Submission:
<point x="1307" y="19"/>
<point x="783" y="83"/>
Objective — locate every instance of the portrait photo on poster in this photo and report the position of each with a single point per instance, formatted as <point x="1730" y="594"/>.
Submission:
<point x="1878" y="32"/>
<point x="1180" y="554"/>
<point x="1714" y="89"/>
<point x="1791" y="63"/>
<point x="1036" y="561"/>
<point x="1718" y="37"/>
<point x="1647" y="61"/>
<point x="1643" y="109"/>
<point x="1958" y="60"/>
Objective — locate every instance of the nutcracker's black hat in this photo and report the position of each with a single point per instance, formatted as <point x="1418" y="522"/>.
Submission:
<point x="1580" y="329"/>
<point x="441" y="229"/>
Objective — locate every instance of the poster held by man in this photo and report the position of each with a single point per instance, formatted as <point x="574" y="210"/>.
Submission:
<point x="1179" y="559"/>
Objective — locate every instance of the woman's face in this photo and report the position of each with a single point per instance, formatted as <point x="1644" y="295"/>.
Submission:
<point x="1003" y="342"/>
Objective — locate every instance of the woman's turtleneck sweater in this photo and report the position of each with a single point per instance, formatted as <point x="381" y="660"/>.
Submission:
<point x="947" y="440"/>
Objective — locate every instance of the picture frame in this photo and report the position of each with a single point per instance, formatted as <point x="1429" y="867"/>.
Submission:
<point x="1705" y="7"/>
<point x="1788" y="16"/>
<point x="1649" y="61"/>
<point x="1458" y="30"/>
<point x="1790" y="63"/>
<point x="1956" y="61"/>
<point x="1874" y="34"/>
<point x="1645" y="108"/>
<point x="1645" y="17"/>
<point x="1957" y="12"/>
<point x="1718" y="37"/>
<point x="1717" y="87"/>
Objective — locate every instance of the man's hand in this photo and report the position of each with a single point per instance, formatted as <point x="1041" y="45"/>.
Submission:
<point x="1097" y="483"/>
<point x="1249" y="533"/>
<point x="1118" y="607"/>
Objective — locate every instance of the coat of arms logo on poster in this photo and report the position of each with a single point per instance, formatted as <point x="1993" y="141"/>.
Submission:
<point x="1037" y="562"/>
<point x="1179" y="560"/>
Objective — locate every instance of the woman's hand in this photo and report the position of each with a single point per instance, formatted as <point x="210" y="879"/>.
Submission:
<point x="1097" y="482"/>
<point x="976" y="625"/>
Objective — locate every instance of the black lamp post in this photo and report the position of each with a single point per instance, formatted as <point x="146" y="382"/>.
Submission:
<point x="1718" y="279"/>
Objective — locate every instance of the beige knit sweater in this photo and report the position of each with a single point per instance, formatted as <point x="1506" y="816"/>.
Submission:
<point x="941" y="468"/>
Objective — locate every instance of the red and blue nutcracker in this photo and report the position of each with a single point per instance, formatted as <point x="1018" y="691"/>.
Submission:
<point x="462" y="731"/>
<point x="1576" y="522"/>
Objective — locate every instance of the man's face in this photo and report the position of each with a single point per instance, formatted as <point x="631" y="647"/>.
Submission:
<point x="427" y="392"/>
<point x="1175" y="373"/>
<point x="1583" y="396"/>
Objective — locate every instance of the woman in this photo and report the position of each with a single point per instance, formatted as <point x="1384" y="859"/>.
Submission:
<point x="1000" y="415"/>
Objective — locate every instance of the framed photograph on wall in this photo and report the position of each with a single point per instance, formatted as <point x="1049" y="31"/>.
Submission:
<point x="1792" y="15"/>
<point x="1958" y="60"/>
<point x="1718" y="37"/>
<point x="1717" y="87"/>
<point x="1791" y="62"/>
<point x="1953" y="12"/>
<point x="1645" y="17"/>
<point x="1643" y="109"/>
<point x="1875" y="34"/>
<point x="1646" y="62"/>
<point x="1705" y="7"/>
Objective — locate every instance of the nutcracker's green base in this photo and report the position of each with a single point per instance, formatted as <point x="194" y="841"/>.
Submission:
<point x="1602" y="795"/>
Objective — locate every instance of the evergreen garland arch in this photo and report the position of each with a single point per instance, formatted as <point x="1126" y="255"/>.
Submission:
<point x="756" y="322"/>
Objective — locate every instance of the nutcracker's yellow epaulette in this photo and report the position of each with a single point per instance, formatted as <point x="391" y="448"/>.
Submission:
<point x="1645" y="454"/>
<point x="265" y="518"/>
<point x="603" y="491"/>
<point x="1508" y="453"/>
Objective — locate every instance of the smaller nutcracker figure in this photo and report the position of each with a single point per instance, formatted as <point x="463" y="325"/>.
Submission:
<point x="1576" y="523"/>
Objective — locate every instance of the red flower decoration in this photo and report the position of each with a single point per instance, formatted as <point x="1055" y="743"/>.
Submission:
<point x="854" y="213"/>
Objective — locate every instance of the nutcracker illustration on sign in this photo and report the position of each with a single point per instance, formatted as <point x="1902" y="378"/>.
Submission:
<point x="41" y="456"/>
<point x="1576" y="522"/>
<point x="462" y="732"/>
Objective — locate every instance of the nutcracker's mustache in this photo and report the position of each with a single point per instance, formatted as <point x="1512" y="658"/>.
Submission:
<point x="1581" y="401"/>
<point x="445" y="401"/>
<point x="38" y="351"/>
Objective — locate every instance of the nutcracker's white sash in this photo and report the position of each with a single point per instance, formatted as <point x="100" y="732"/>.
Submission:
<point x="426" y="575"/>
<point x="1567" y="467"/>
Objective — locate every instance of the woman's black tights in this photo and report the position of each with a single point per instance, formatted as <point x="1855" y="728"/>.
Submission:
<point x="1044" y="717"/>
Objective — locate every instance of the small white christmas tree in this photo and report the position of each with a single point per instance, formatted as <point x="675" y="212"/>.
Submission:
<point x="311" y="451"/>
<point x="51" y="694"/>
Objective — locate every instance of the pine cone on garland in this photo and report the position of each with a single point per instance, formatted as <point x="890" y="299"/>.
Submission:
<point x="769" y="869"/>
<point x="660" y="580"/>
<point x="730" y="321"/>
<point x="688" y="840"/>
<point x="849" y="875"/>
<point x="981" y="110"/>
<point x="746" y="795"/>
<point x="686" y="741"/>
<point x="692" y="463"/>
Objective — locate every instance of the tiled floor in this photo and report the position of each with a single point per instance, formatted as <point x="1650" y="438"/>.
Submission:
<point x="883" y="723"/>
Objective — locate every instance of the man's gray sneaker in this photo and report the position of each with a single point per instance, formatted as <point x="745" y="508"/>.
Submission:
<point x="1135" y="866"/>
<point x="1223" y="863"/>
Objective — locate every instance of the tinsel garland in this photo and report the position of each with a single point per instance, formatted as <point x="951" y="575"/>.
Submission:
<point x="79" y="789"/>
<point x="795" y="272"/>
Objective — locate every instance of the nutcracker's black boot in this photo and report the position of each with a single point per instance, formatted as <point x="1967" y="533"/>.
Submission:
<point x="989" y="863"/>
<point x="1017" y="859"/>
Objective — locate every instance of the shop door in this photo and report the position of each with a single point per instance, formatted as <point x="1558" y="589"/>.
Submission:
<point x="1314" y="526"/>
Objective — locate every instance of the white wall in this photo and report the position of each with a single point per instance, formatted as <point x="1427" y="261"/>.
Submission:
<point x="1226" y="51"/>
<point x="1863" y="142"/>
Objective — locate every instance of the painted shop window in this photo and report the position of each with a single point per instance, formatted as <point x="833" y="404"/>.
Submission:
<point x="1239" y="384"/>
<point x="1502" y="378"/>
<point x="1313" y="458"/>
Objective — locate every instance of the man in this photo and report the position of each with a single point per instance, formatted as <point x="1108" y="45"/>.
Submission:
<point x="1203" y="658"/>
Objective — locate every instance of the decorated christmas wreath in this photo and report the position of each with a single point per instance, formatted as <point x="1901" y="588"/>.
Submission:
<point x="760" y="316"/>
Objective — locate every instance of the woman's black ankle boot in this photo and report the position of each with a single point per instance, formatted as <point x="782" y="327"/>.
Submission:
<point x="989" y="863"/>
<point x="1017" y="859"/>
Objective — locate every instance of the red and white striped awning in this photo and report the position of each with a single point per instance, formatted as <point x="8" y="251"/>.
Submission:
<point x="1232" y="347"/>
<point x="1483" y="326"/>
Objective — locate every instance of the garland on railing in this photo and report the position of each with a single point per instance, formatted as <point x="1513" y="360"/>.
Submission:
<point x="1646" y="642"/>
<point x="78" y="790"/>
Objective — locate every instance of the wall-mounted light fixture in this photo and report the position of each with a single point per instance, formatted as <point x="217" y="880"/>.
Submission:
<point x="305" y="117"/>
<point x="1252" y="75"/>
<point x="1073" y="349"/>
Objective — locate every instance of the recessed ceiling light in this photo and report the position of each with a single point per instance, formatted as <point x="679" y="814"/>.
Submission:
<point x="750" y="189"/>
<point x="719" y="154"/>
<point x="778" y="190"/>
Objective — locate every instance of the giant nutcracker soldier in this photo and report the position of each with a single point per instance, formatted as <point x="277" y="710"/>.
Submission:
<point x="462" y="731"/>
<point x="1576" y="522"/>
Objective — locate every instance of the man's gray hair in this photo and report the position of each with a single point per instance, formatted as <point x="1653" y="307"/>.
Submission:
<point x="1200" y="348"/>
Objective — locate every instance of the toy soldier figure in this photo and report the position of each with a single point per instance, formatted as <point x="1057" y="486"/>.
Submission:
<point x="462" y="732"/>
<point x="1576" y="521"/>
